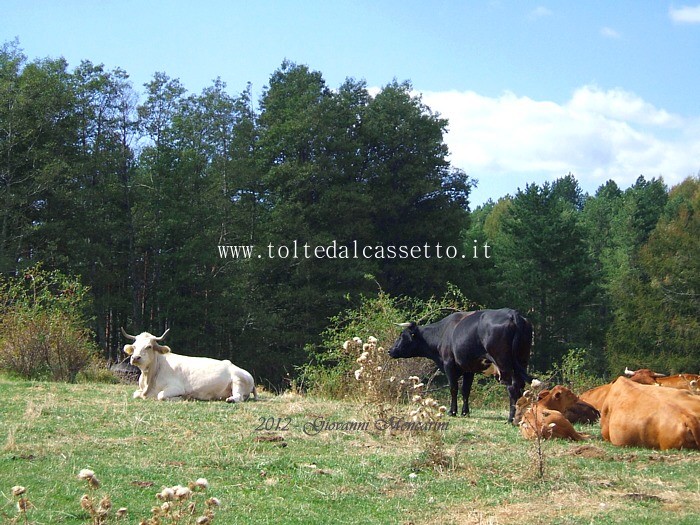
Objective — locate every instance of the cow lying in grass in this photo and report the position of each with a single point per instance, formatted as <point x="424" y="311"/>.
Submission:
<point x="548" y="424"/>
<point x="168" y="376"/>
<point x="596" y="396"/>
<point x="563" y="400"/>
<point x="650" y="416"/>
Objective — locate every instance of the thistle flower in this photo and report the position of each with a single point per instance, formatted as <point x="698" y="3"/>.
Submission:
<point x="347" y="344"/>
<point x="366" y="347"/>
<point x="416" y="398"/>
<point x="89" y="476"/>
<point x="372" y="339"/>
<point x="18" y="490"/>
<point x="167" y="494"/>
<point x="357" y="340"/>
<point x="86" y="474"/>
<point x="415" y="379"/>
<point x="418" y="385"/>
<point x="213" y="502"/>
<point x="203" y="520"/>
<point x="363" y="357"/>
<point x="121" y="512"/>
<point x="358" y="373"/>
<point x="412" y="475"/>
<point x="442" y="409"/>
<point x="536" y="383"/>
<point x="202" y="483"/>
<point x="182" y="492"/>
<point x="86" y="502"/>
<point x="165" y="507"/>
<point x="106" y="503"/>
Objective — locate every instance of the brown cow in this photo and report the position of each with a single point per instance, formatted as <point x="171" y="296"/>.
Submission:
<point x="680" y="381"/>
<point x="596" y="396"/>
<point x="646" y="416"/>
<point x="548" y="423"/>
<point x="562" y="400"/>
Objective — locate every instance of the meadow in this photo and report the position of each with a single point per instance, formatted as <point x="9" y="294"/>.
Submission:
<point x="269" y="462"/>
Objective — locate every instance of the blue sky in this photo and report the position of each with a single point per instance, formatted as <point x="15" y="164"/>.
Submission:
<point x="533" y="90"/>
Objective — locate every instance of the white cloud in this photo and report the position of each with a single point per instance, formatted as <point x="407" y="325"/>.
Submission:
<point x="609" y="32"/>
<point x="685" y="14"/>
<point x="597" y="135"/>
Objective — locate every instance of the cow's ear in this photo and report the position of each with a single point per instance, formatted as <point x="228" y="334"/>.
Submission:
<point x="161" y="348"/>
<point x="557" y="395"/>
<point x="128" y="349"/>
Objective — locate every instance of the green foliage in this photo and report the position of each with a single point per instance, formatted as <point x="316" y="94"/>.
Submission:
<point x="331" y="367"/>
<point x="544" y="268"/>
<point x="657" y="325"/>
<point x="134" y="195"/>
<point x="42" y="331"/>
<point x="576" y="370"/>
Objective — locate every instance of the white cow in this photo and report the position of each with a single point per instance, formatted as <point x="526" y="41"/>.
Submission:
<point x="168" y="376"/>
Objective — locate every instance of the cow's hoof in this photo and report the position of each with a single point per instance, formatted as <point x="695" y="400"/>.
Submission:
<point x="465" y="414"/>
<point x="234" y="399"/>
<point x="453" y="414"/>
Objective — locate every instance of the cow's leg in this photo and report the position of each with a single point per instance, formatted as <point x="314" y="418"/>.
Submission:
<point x="453" y="374"/>
<point x="467" y="380"/>
<point x="235" y="397"/>
<point x="515" y="391"/>
<point x="171" y="393"/>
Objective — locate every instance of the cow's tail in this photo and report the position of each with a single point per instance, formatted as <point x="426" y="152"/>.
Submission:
<point x="255" y="393"/>
<point x="522" y="342"/>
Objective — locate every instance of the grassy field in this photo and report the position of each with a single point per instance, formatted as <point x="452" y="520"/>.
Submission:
<point x="265" y="468"/>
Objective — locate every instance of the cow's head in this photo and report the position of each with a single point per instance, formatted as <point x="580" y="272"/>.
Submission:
<point x="561" y="398"/>
<point x="644" y="376"/>
<point x="143" y="350"/>
<point x="410" y="343"/>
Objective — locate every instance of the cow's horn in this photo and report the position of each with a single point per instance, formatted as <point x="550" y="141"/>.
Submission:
<point x="656" y="374"/>
<point x="629" y="372"/>
<point x="132" y="337"/>
<point x="163" y="336"/>
<point x="403" y="325"/>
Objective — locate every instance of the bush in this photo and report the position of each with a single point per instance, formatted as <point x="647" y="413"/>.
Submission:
<point x="332" y="365"/>
<point x="42" y="333"/>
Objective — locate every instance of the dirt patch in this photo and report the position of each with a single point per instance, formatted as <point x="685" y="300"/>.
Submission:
<point x="587" y="451"/>
<point x="568" y="506"/>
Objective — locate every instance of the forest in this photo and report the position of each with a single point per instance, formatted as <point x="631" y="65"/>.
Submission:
<point x="135" y="194"/>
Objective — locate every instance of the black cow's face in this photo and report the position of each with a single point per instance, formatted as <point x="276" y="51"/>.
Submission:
<point x="409" y="343"/>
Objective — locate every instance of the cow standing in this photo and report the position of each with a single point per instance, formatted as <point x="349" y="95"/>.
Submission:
<point x="168" y="376"/>
<point x="465" y="343"/>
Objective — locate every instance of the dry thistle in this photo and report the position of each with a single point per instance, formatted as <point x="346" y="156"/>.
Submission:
<point x="23" y="503"/>
<point x="202" y="483"/>
<point x="89" y="476"/>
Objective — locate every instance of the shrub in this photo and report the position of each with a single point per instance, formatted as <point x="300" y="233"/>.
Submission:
<point x="42" y="333"/>
<point x="332" y="365"/>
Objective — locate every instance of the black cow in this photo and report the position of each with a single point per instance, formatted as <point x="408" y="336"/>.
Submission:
<point x="464" y="343"/>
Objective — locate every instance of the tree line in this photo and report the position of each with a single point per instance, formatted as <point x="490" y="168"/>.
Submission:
<point x="134" y="194"/>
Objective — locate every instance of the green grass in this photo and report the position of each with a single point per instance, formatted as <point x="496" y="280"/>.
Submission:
<point x="50" y="431"/>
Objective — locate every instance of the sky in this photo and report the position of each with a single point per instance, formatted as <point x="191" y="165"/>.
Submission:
<point x="532" y="90"/>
